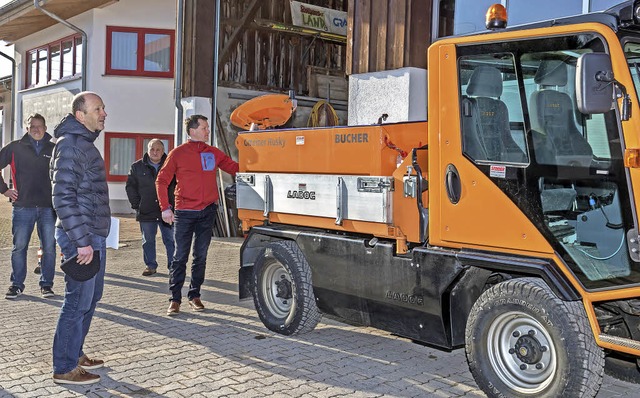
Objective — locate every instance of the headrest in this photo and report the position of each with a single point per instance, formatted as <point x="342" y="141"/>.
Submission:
<point x="485" y="81"/>
<point x="551" y="73"/>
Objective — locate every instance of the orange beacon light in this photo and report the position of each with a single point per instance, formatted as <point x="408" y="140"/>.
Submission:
<point x="496" y="17"/>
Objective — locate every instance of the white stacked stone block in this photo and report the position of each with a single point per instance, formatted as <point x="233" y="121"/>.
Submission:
<point x="399" y="93"/>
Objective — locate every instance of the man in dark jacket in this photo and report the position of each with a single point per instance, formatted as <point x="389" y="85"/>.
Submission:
<point x="81" y="199"/>
<point x="31" y="196"/>
<point x="141" y="191"/>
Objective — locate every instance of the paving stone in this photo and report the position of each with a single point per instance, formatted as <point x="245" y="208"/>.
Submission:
<point x="224" y="351"/>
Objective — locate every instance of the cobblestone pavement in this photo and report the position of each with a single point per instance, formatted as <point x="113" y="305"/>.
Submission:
<point x="224" y="351"/>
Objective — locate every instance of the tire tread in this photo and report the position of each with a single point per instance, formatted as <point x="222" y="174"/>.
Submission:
<point x="587" y="378"/>
<point x="293" y="260"/>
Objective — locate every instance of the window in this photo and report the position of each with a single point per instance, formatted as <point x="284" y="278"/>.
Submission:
<point x="140" y="52"/>
<point x="497" y="86"/>
<point x="122" y="149"/>
<point x="459" y="17"/>
<point x="550" y="87"/>
<point x="492" y="121"/>
<point x="54" y="61"/>
<point x="525" y="11"/>
<point x="599" y="5"/>
<point x="517" y="98"/>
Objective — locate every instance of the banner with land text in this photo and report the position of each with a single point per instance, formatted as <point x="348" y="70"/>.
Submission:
<point x="319" y="18"/>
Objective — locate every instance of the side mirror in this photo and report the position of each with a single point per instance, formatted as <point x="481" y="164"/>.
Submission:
<point x="594" y="83"/>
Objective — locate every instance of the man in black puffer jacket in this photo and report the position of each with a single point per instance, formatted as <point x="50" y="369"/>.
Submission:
<point x="141" y="191"/>
<point x="81" y="199"/>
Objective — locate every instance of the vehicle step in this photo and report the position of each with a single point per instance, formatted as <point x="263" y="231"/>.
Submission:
<point x="621" y="341"/>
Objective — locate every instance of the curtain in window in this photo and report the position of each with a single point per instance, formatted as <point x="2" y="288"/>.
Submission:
<point x="43" y="66"/>
<point x="123" y="50"/>
<point x="55" y="62"/>
<point x="67" y="59"/>
<point x="78" y="56"/>
<point x="122" y="153"/>
<point x="33" y="68"/>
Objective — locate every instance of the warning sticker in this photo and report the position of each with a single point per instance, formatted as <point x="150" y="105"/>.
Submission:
<point x="498" y="171"/>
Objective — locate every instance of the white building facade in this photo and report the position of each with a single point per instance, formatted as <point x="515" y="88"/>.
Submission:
<point x="130" y="64"/>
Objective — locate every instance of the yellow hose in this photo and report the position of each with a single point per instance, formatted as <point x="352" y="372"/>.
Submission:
<point x="323" y="115"/>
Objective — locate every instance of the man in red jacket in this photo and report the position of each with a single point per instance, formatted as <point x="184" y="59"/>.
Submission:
<point x="194" y="165"/>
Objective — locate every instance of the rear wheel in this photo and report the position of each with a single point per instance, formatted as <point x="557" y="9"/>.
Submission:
<point x="283" y="289"/>
<point x="522" y="341"/>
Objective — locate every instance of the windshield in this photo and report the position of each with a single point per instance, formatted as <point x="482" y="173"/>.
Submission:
<point x="632" y="53"/>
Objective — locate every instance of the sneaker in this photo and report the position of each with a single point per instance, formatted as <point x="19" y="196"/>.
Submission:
<point x="46" y="292"/>
<point x="174" y="308"/>
<point x="13" y="292"/>
<point x="148" y="271"/>
<point x="76" y="376"/>
<point x="196" y="304"/>
<point x="87" y="363"/>
<point x="37" y="270"/>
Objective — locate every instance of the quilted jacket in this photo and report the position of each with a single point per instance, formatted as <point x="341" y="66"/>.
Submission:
<point x="79" y="183"/>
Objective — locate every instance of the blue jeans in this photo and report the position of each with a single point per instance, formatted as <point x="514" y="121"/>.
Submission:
<point x="149" y="230"/>
<point x="80" y="299"/>
<point x="187" y="225"/>
<point x="23" y="221"/>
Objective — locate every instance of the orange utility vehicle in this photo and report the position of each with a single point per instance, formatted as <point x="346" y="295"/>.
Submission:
<point x="507" y="223"/>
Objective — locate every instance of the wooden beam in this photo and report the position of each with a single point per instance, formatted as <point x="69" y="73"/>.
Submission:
<point x="349" y="56"/>
<point x="418" y="33"/>
<point x="239" y="31"/>
<point x="396" y="34"/>
<point x="378" y="35"/>
<point x="363" y="16"/>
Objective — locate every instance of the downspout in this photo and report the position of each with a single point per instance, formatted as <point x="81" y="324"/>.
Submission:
<point x="214" y="110"/>
<point x="214" y="98"/>
<point x="69" y="25"/>
<point x="13" y="93"/>
<point x="178" y="79"/>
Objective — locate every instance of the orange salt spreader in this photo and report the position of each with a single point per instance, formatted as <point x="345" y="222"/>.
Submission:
<point x="262" y="112"/>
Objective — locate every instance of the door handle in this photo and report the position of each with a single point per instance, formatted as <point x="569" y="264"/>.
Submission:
<point x="452" y="184"/>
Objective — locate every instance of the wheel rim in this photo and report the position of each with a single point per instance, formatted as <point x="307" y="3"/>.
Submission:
<point x="277" y="289"/>
<point x="521" y="352"/>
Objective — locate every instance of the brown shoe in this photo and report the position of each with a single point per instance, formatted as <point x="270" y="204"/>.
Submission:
<point x="196" y="304"/>
<point x="89" y="364"/>
<point x="174" y="308"/>
<point x="148" y="271"/>
<point x="76" y="376"/>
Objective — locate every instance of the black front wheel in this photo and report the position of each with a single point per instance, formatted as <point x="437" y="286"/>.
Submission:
<point x="523" y="341"/>
<point x="283" y="289"/>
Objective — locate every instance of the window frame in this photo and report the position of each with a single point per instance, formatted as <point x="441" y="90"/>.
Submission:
<point x="139" y="71"/>
<point x="47" y="48"/>
<point x="139" y="148"/>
